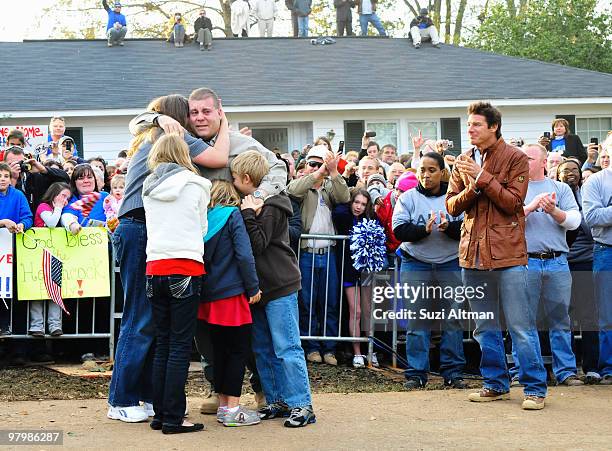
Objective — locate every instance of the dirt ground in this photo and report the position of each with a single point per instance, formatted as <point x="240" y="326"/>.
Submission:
<point x="575" y="418"/>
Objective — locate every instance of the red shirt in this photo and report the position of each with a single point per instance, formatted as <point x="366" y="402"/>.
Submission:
<point x="172" y="266"/>
<point x="232" y="311"/>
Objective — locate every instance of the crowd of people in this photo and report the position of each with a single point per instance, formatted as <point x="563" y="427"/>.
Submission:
<point x="231" y="271"/>
<point x="265" y="12"/>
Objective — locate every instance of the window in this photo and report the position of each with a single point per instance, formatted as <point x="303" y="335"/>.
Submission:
<point x="428" y="129"/>
<point x="386" y="132"/>
<point x="593" y="127"/>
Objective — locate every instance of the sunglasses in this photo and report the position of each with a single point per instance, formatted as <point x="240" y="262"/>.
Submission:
<point x="315" y="164"/>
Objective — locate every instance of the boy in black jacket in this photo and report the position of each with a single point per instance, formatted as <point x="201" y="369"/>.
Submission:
<point x="276" y="335"/>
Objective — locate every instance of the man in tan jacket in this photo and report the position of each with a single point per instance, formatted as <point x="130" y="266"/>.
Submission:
<point x="318" y="192"/>
<point x="489" y="184"/>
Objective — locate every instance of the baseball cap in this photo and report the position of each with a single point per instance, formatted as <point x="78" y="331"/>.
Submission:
<point x="319" y="151"/>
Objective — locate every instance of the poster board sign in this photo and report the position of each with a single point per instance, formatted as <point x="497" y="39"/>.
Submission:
<point x="85" y="272"/>
<point x="6" y="264"/>
<point x="34" y="135"/>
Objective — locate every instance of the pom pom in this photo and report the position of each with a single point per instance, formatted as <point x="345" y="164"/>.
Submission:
<point x="368" y="249"/>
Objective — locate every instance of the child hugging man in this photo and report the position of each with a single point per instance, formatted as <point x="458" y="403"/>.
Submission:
<point x="15" y="216"/>
<point x="276" y="336"/>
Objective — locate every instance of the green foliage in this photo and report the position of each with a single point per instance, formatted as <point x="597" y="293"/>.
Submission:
<point x="569" y="32"/>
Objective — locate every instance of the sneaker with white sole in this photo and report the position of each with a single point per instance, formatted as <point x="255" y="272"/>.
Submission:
<point x="274" y="410"/>
<point x="242" y="417"/>
<point x="358" y="361"/>
<point x="592" y="378"/>
<point x="148" y="407"/>
<point x="300" y="417"/>
<point x="131" y="414"/>
<point x="221" y="411"/>
<point x="375" y="363"/>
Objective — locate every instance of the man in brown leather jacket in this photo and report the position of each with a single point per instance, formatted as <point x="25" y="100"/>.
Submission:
<point x="489" y="184"/>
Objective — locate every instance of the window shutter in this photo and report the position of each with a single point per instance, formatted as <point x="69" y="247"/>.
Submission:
<point x="451" y="129"/>
<point x="353" y="132"/>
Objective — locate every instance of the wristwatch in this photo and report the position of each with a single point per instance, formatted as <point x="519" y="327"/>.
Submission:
<point x="259" y="194"/>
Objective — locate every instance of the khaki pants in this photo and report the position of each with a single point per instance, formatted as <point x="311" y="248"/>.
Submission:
<point x="265" y="27"/>
<point x="205" y="37"/>
<point x="419" y="33"/>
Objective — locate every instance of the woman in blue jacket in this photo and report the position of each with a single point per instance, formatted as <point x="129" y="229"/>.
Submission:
<point x="83" y="183"/>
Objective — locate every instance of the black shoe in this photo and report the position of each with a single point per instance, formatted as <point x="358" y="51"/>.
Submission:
<point x="37" y="333"/>
<point x="414" y="383"/>
<point x="156" y="425"/>
<point x="436" y="46"/>
<point x="274" y="410"/>
<point x="42" y="358"/>
<point x="457" y="382"/>
<point x="180" y="429"/>
<point x="5" y="332"/>
<point x="57" y="333"/>
<point x="19" y="360"/>
<point x="417" y="46"/>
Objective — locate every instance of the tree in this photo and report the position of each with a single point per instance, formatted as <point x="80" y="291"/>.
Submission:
<point x="569" y="32"/>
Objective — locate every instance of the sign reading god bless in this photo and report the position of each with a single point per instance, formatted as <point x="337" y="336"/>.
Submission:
<point x="85" y="272"/>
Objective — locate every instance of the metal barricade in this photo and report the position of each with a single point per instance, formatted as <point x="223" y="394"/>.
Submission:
<point x="79" y="334"/>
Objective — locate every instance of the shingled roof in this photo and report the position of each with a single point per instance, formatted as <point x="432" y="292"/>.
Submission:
<point x="87" y="75"/>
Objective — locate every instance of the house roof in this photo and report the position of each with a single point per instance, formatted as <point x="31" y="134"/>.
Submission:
<point x="87" y="75"/>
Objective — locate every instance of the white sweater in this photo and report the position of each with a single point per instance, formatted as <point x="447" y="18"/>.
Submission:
<point x="175" y="201"/>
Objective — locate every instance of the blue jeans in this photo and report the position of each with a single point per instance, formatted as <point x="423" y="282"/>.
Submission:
<point x="319" y="306"/>
<point x="302" y="26"/>
<point x="602" y="279"/>
<point x="549" y="285"/>
<point x="365" y="19"/>
<point x="131" y="381"/>
<point x="418" y="333"/>
<point x="174" y="302"/>
<point x="278" y="353"/>
<point x="508" y="287"/>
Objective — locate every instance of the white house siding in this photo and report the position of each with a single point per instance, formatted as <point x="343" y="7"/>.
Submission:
<point x="107" y="135"/>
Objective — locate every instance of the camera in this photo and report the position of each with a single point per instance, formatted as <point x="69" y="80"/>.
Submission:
<point x="68" y="144"/>
<point x="547" y="135"/>
<point x="595" y="141"/>
<point x="370" y="134"/>
<point x="25" y="166"/>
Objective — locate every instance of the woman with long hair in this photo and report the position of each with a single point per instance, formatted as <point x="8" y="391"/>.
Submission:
<point x="358" y="292"/>
<point x="131" y="380"/>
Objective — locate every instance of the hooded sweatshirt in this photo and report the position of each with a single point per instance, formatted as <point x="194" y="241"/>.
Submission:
<point x="175" y="202"/>
<point x="277" y="268"/>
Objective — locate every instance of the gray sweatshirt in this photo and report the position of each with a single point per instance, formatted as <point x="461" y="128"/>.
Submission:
<point x="415" y="208"/>
<point x="597" y="205"/>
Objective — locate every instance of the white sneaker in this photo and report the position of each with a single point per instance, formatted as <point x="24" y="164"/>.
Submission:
<point x="358" y="361"/>
<point x="131" y="414"/>
<point x="148" y="407"/>
<point x="375" y="363"/>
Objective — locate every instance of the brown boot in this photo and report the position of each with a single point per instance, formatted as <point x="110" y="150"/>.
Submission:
<point x="486" y="395"/>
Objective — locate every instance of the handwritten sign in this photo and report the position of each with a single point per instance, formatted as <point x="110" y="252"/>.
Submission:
<point x="84" y="256"/>
<point x="34" y="135"/>
<point x="6" y="264"/>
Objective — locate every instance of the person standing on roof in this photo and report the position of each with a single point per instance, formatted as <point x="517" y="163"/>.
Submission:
<point x="116" y="28"/>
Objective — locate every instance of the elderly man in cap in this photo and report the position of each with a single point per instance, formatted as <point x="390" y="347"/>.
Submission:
<point x="422" y="27"/>
<point x="116" y="27"/>
<point x="321" y="188"/>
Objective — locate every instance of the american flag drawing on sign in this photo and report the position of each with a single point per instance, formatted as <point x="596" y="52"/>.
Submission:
<point x="52" y="274"/>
